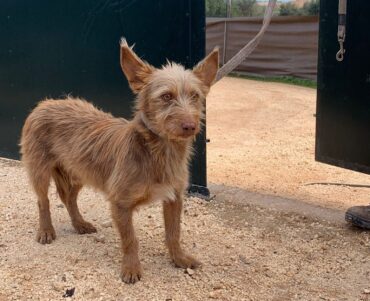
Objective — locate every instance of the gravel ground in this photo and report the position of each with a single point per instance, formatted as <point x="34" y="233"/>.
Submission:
<point x="262" y="141"/>
<point x="248" y="252"/>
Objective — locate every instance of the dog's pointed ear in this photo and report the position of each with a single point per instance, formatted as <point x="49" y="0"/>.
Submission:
<point x="206" y="70"/>
<point x="136" y="70"/>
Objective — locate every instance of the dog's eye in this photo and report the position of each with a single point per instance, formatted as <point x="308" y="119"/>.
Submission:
<point x="194" y="96"/>
<point x="167" y="96"/>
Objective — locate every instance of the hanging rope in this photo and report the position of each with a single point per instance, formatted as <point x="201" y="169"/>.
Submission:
<point x="238" y="58"/>
<point x="342" y="12"/>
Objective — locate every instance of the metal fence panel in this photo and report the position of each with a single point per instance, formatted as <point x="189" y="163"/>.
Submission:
<point x="343" y="102"/>
<point x="288" y="48"/>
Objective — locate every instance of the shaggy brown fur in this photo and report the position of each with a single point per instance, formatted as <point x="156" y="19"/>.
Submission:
<point x="132" y="162"/>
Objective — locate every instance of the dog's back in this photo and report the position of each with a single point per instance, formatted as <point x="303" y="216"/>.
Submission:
<point x="72" y="134"/>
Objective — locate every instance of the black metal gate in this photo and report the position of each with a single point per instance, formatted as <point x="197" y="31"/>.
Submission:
<point x="343" y="102"/>
<point x="53" y="48"/>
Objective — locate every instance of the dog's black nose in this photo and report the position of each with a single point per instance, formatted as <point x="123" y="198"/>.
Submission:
<point x="188" y="127"/>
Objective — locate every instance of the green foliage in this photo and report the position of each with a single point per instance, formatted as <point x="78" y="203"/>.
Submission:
<point x="244" y="8"/>
<point x="239" y="8"/>
<point x="290" y="80"/>
<point x="289" y="9"/>
<point x="216" y="8"/>
<point x="309" y="9"/>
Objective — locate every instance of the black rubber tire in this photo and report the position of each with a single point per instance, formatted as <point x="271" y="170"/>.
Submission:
<point x="357" y="221"/>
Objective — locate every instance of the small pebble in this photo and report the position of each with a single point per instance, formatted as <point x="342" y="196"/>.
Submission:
<point x="366" y="291"/>
<point x="106" y="224"/>
<point x="217" y="287"/>
<point x="190" y="271"/>
<point x="69" y="293"/>
<point x="243" y="259"/>
<point x="57" y="286"/>
<point x="214" y="294"/>
<point x="99" y="238"/>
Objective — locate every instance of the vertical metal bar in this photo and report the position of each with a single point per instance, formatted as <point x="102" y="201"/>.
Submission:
<point x="228" y="16"/>
<point x="229" y="9"/>
<point x="224" y="46"/>
<point x="198" y="171"/>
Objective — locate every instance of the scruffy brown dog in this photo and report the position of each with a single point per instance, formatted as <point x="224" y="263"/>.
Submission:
<point x="132" y="162"/>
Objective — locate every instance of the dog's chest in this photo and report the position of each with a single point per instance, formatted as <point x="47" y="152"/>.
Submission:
<point x="162" y="192"/>
<point x="168" y="172"/>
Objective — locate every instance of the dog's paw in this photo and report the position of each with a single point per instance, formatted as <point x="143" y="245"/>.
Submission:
<point x="185" y="261"/>
<point x="84" y="227"/>
<point x="45" y="236"/>
<point x="131" y="273"/>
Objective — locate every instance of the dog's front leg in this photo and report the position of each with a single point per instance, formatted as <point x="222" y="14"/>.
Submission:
<point x="131" y="268"/>
<point x="172" y="217"/>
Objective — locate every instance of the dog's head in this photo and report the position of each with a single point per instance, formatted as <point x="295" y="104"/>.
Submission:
<point x="170" y="99"/>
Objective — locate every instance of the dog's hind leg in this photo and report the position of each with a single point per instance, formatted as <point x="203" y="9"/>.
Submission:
<point x="68" y="192"/>
<point x="40" y="180"/>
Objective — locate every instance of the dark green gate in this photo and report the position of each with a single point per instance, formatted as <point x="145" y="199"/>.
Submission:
<point x="343" y="102"/>
<point x="53" y="48"/>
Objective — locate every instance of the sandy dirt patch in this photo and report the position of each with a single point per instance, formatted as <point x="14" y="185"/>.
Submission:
<point x="263" y="140"/>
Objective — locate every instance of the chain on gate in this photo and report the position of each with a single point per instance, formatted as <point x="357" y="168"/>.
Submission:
<point x="342" y="13"/>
